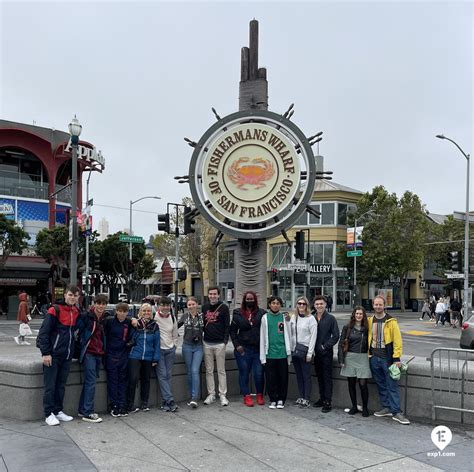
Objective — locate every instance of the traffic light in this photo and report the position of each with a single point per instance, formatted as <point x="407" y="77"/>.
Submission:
<point x="188" y="221"/>
<point x="164" y="222"/>
<point x="94" y="260"/>
<point x="182" y="274"/>
<point x="299" y="246"/>
<point x="454" y="260"/>
<point x="274" y="275"/>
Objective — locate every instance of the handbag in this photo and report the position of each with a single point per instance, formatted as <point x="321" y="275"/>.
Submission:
<point x="25" y="329"/>
<point x="301" y="351"/>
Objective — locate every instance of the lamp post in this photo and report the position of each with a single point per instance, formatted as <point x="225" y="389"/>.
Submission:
<point x="466" y="301"/>
<point x="356" y="298"/>
<point x="130" y="244"/>
<point x="75" y="129"/>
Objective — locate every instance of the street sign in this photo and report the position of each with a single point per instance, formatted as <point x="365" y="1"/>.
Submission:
<point x="354" y="253"/>
<point x="454" y="276"/>
<point x="124" y="238"/>
<point x="296" y="266"/>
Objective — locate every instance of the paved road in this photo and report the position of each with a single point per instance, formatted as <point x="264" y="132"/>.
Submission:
<point x="419" y="337"/>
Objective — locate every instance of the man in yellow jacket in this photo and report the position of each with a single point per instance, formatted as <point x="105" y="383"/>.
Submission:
<point x="385" y="349"/>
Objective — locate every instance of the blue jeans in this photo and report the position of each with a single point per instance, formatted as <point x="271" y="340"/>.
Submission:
<point x="91" y="367"/>
<point x="193" y="354"/>
<point x="164" y="372"/>
<point x="247" y="363"/>
<point x="389" y="391"/>
<point x="55" y="378"/>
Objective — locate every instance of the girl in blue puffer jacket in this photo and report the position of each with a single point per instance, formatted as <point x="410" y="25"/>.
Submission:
<point x="143" y="357"/>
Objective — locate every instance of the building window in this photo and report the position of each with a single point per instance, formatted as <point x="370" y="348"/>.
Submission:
<point x="342" y="214"/>
<point x="321" y="253"/>
<point x="281" y="255"/>
<point x="327" y="217"/>
<point x="226" y="260"/>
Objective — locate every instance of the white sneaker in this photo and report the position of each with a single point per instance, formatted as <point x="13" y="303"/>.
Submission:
<point x="17" y="339"/>
<point x="92" y="418"/>
<point x="280" y="405"/>
<point x="61" y="416"/>
<point x="25" y="343"/>
<point x="51" y="420"/>
<point x="272" y="405"/>
<point x="224" y="401"/>
<point x="211" y="398"/>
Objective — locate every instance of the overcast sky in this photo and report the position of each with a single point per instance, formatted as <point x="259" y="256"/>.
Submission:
<point x="381" y="79"/>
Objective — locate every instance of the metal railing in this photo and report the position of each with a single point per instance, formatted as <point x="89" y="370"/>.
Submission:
<point x="451" y="387"/>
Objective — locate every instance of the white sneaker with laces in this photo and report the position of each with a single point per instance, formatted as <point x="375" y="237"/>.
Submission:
<point x="51" y="420"/>
<point x="61" y="416"/>
<point x="280" y="405"/>
<point x="272" y="406"/>
<point x="211" y="398"/>
<point x="17" y="339"/>
<point x="224" y="401"/>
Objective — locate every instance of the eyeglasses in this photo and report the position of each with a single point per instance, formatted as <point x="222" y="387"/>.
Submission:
<point x="302" y="303"/>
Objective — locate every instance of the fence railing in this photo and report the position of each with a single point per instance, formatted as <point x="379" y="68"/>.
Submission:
<point x="452" y="381"/>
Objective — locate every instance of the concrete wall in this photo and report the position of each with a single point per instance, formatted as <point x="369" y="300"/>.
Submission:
<point x="21" y="389"/>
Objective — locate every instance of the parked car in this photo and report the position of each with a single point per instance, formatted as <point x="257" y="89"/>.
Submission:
<point x="467" y="334"/>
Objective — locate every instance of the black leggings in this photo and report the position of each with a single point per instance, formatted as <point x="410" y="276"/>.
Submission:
<point x="364" y="391"/>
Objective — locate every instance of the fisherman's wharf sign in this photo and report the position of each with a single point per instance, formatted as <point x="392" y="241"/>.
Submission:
<point x="246" y="174"/>
<point x="251" y="173"/>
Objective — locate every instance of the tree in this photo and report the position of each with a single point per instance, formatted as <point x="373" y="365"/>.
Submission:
<point x="13" y="239"/>
<point x="394" y="236"/>
<point x="115" y="264"/>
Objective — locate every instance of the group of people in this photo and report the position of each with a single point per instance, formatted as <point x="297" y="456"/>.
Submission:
<point x="265" y="341"/>
<point x="443" y="311"/>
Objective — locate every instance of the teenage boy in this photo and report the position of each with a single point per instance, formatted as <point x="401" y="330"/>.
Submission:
<point x="328" y="335"/>
<point x="168" y="325"/>
<point x="92" y="354"/>
<point x="118" y="332"/>
<point x="216" y="336"/>
<point x="56" y="343"/>
<point x="385" y="349"/>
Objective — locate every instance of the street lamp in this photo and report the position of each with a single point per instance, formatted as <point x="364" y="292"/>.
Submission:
<point x="75" y="129"/>
<point x="356" y="298"/>
<point x="466" y="301"/>
<point x="131" y="232"/>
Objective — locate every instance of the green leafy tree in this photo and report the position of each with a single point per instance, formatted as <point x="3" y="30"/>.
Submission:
<point x="394" y="236"/>
<point x="13" y="239"/>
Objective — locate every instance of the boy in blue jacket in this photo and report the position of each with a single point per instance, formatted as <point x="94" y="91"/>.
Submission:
<point x="144" y="356"/>
<point x="118" y="332"/>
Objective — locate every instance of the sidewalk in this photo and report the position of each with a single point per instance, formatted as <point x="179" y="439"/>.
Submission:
<point x="235" y="438"/>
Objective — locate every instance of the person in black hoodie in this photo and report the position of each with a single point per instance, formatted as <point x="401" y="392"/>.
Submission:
<point x="354" y="358"/>
<point x="328" y="335"/>
<point x="216" y="335"/>
<point x="245" y="335"/>
<point x="55" y="341"/>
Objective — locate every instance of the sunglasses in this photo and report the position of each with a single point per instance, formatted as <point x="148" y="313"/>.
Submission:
<point x="302" y="303"/>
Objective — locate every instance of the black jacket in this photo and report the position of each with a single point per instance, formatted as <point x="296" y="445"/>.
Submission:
<point x="242" y="332"/>
<point x="358" y="342"/>
<point x="328" y="334"/>
<point x="216" y="323"/>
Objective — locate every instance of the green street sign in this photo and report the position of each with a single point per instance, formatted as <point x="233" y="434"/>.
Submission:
<point x="124" y="238"/>
<point x="354" y="253"/>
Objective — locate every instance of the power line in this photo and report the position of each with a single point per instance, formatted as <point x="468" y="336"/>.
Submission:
<point x="126" y="209"/>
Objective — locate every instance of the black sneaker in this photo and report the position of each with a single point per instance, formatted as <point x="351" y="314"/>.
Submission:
<point x="132" y="409"/>
<point x="353" y="411"/>
<point x="144" y="407"/>
<point x="365" y="413"/>
<point x="115" y="412"/>
<point x="318" y="404"/>
<point x="326" y="408"/>
<point x="123" y="412"/>
<point x="172" y="406"/>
